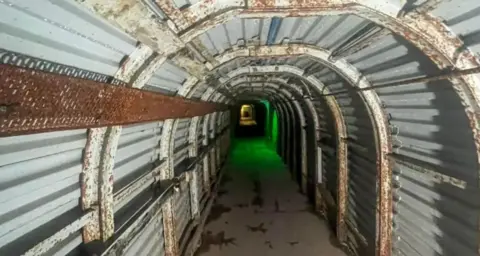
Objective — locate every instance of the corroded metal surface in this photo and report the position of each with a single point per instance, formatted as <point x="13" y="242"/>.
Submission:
<point x="148" y="71"/>
<point x="123" y="240"/>
<point x="97" y="172"/>
<point x="105" y="199"/>
<point x="39" y="102"/>
<point x="58" y="237"/>
<point x="136" y="19"/>
<point x="169" y="227"/>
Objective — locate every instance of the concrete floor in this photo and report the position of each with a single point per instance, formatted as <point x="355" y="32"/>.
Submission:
<point x="259" y="210"/>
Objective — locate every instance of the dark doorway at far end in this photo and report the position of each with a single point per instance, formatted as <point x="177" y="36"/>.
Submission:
<point x="251" y="121"/>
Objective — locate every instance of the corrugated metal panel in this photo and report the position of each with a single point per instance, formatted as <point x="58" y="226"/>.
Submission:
<point x="236" y="31"/>
<point x="62" y="32"/>
<point x="199" y="91"/>
<point x="431" y="130"/>
<point x="150" y="241"/>
<point x="40" y="189"/>
<point x="136" y="152"/>
<point x="200" y="134"/>
<point x="167" y="79"/>
<point x="181" y="144"/>
<point x="324" y="31"/>
<point x="328" y="144"/>
<point x="182" y="209"/>
<point x="201" y="189"/>
<point x="462" y="17"/>
<point x="362" y="178"/>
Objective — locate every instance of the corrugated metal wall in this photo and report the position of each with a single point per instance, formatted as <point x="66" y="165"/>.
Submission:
<point x="62" y="32"/>
<point x="328" y="145"/>
<point x="150" y="241"/>
<point x="39" y="188"/>
<point x="167" y="79"/>
<point x="182" y="210"/>
<point x="430" y="132"/>
<point x="40" y="173"/>
<point x="324" y="31"/>
<point x="181" y="145"/>
<point x="135" y="159"/>
<point x="362" y="175"/>
<point x="435" y="163"/>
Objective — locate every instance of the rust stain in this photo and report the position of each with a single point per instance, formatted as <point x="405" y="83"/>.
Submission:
<point x="42" y="102"/>
<point x="259" y="228"/>
<point x="209" y="239"/>
<point x="217" y="211"/>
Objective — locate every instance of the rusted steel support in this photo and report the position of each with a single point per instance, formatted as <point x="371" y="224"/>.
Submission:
<point x="97" y="172"/>
<point x="35" y="101"/>
<point x="169" y="227"/>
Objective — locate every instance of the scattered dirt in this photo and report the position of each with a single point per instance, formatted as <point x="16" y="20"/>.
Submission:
<point x="259" y="228"/>
<point x="219" y="239"/>
<point x="293" y="243"/>
<point x="217" y="211"/>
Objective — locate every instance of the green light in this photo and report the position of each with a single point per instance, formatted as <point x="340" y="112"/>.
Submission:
<point x="267" y="117"/>
<point x="255" y="157"/>
<point x="274" y="130"/>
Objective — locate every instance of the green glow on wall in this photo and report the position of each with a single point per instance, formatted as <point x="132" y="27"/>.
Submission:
<point x="267" y="117"/>
<point x="274" y="131"/>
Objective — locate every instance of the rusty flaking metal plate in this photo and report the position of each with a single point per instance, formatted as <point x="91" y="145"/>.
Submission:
<point x="34" y="101"/>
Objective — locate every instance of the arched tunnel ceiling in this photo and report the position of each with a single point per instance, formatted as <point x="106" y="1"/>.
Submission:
<point x="345" y="51"/>
<point x="312" y="57"/>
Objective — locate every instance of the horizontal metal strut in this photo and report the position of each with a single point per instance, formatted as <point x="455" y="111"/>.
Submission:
<point x="34" y="101"/>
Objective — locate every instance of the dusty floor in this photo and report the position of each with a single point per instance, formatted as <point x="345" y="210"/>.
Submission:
<point x="259" y="210"/>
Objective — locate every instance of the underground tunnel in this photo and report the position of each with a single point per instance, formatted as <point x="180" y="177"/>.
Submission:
<point x="239" y="127"/>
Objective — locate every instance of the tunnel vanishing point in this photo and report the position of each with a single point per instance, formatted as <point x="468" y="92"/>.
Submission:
<point x="116" y="119"/>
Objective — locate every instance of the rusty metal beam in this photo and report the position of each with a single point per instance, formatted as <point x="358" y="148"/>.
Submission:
<point x="34" y="101"/>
